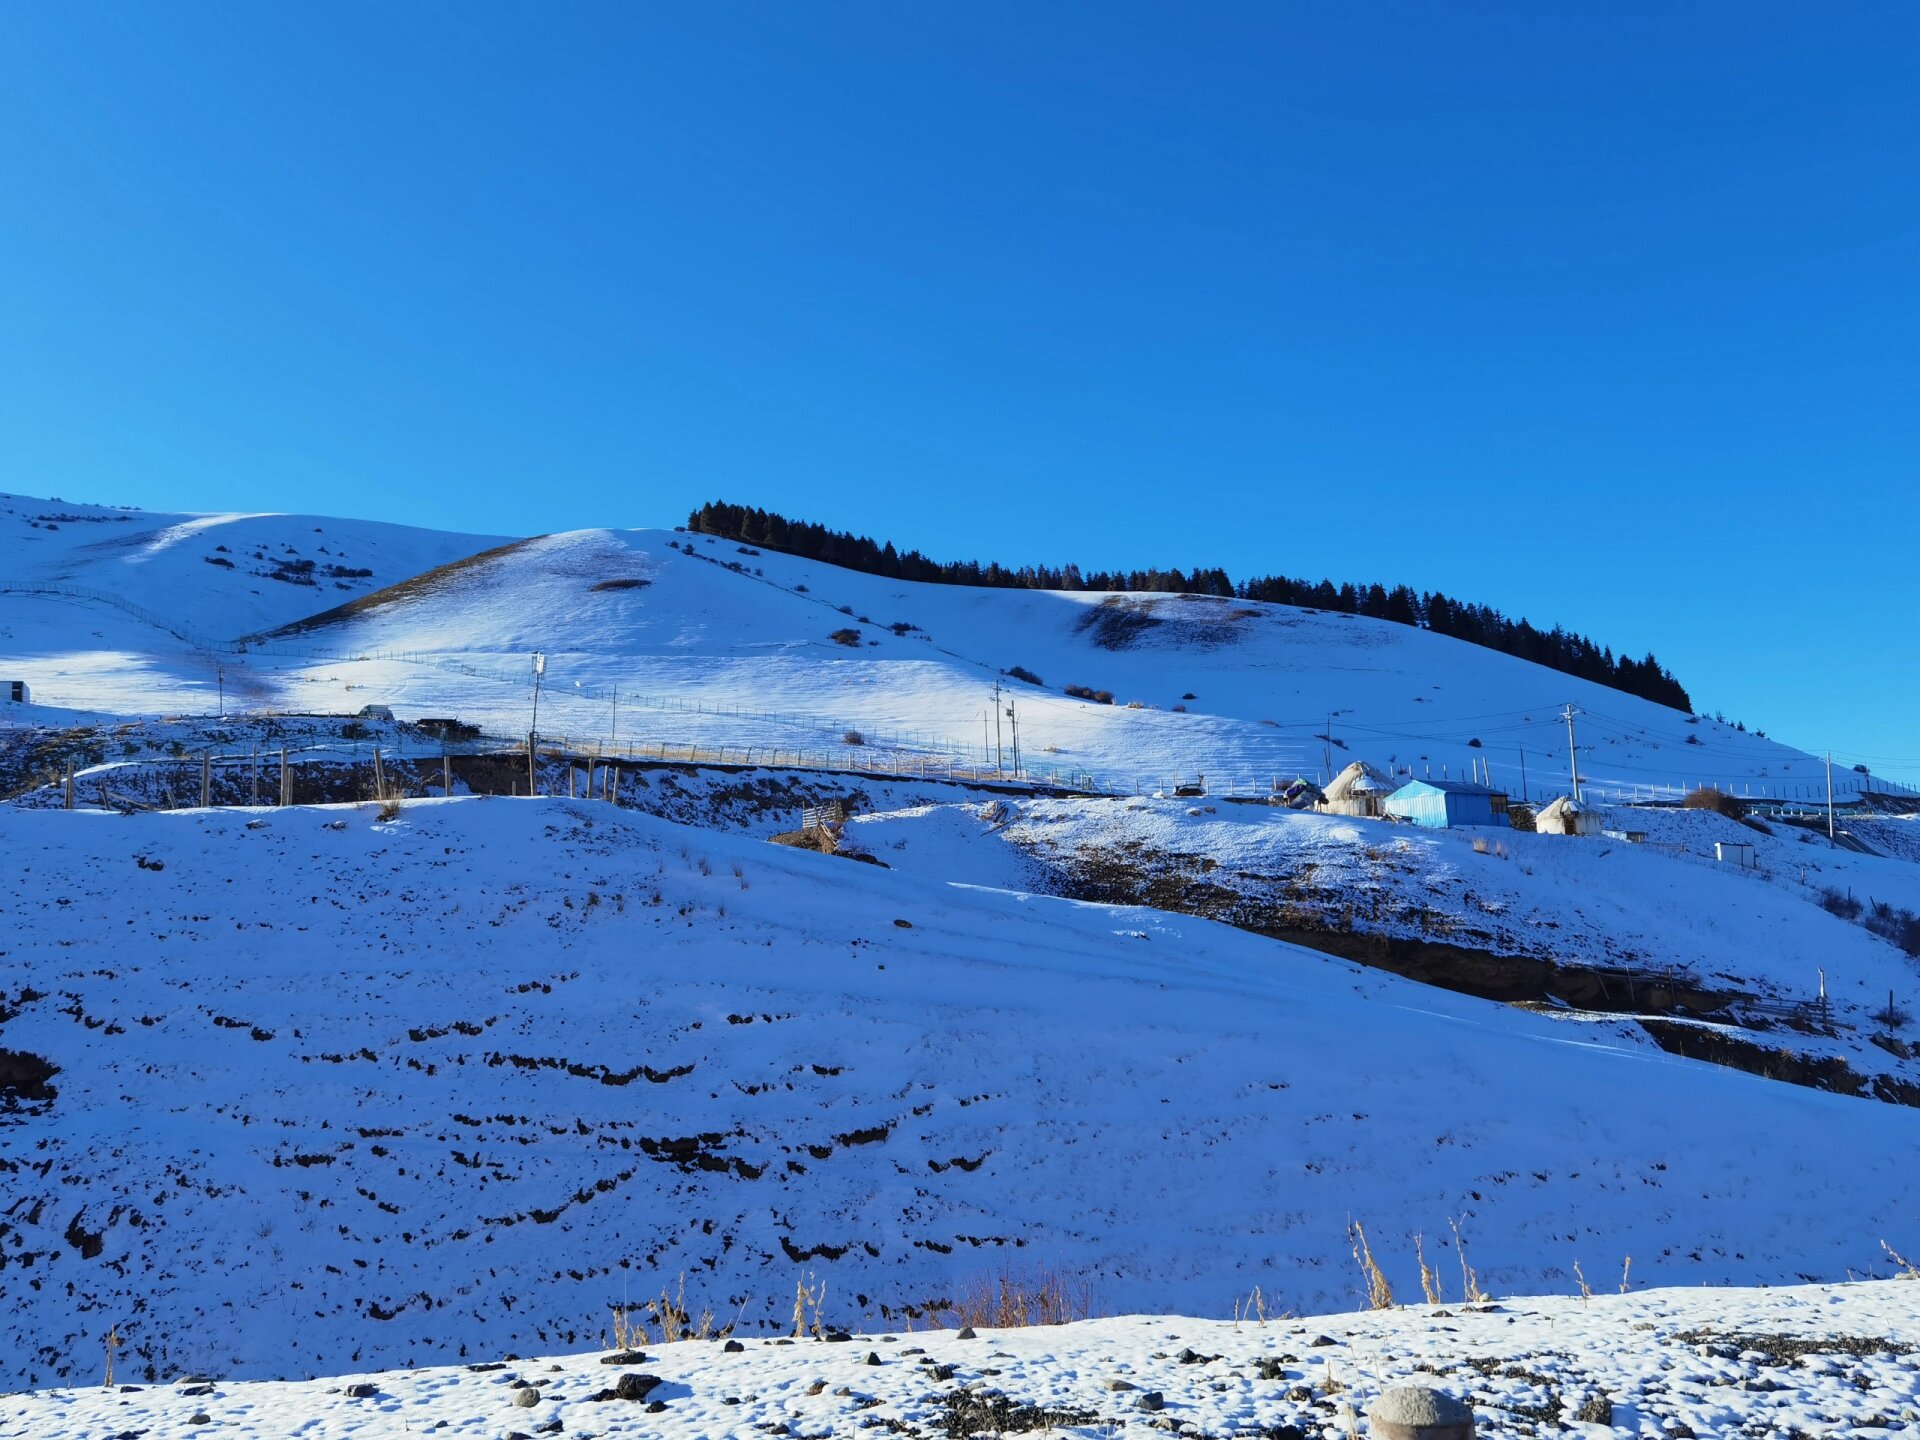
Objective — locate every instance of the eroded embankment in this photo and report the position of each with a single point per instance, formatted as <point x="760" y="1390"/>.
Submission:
<point x="1326" y="919"/>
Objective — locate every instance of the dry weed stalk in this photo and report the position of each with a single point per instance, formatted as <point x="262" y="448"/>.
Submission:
<point x="1379" y="1292"/>
<point x="1429" y="1279"/>
<point x="807" y="1296"/>
<point x="1469" y="1280"/>
<point x="670" y="1313"/>
<point x="1626" y="1275"/>
<point x="628" y="1333"/>
<point x="1908" y="1269"/>
<point x="1586" y="1290"/>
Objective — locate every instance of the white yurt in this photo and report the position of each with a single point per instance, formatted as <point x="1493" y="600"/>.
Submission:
<point x="1358" y="790"/>
<point x="1566" y="816"/>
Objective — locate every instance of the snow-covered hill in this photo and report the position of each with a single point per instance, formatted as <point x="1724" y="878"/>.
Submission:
<point x="122" y="611"/>
<point x="713" y="643"/>
<point x="333" y="1091"/>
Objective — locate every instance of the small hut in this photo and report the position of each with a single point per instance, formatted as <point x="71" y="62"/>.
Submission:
<point x="15" y="692"/>
<point x="1441" y="804"/>
<point x="1358" y="790"/>
<point x="1566" y="816"/>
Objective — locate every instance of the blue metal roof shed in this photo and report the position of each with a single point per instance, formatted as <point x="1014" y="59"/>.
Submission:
<point x="1438" y="804"/>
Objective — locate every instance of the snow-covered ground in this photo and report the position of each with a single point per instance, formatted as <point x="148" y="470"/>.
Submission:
<point x="1830" y="1361"/>
<point x="295" y="1092"/>
<point x="334" y="1090"/>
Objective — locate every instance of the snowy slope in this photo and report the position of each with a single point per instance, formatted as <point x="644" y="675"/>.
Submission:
<point x="333" y="1091"/>
<point x="1586" y="902"/>
<point x="713" y="643"/>
<point x="110" y="609"/>
<point x="1804" y="1360"/>
<point x="218" y="575"/>
<point x="1265" y="678"/>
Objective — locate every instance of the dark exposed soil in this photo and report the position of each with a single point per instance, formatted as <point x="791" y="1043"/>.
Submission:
<point x="1508" y="978"/>
<point x="1319" y="919"/>
<point x="425" y="583"/>
<point x="1816" y="1072"/>
<point x="24" y="1076"/>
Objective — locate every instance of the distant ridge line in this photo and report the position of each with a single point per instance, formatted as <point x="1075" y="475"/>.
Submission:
<point x="1482" y="625"/>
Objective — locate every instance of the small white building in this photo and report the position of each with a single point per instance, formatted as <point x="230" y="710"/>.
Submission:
<point x="1735" y="852"/>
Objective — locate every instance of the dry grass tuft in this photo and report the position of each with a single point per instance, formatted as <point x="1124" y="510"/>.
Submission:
<point x="677" y="1322"/>
<point x="670" y="1315"/>
<point x="1013" y="1301"/>
<point x="626" y="1332"/>
<point x="1252" y="1307"/>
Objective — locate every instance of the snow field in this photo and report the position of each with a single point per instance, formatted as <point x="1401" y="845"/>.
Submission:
<point x="334" y="1091"/>
<point x="1811" y="1360"/>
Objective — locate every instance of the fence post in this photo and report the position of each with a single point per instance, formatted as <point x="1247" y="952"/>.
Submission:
<point x="286" y="779"/>
<point x="206" y="778"/>
<point x="446" y="776"/>
<point x="69" y="782"/>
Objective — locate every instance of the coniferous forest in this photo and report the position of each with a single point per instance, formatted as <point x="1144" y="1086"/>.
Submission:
<point x="1443" y="614"/>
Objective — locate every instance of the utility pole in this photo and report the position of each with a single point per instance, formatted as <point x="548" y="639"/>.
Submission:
<point x="533" y="729"/>
<point x="1573" y="760"/>
<point x="998" y="768"/>
<point x="1523" y="775"/>
<point x="1830" y="839"/>
<point x="616" y="719"/>
<point x="1013" y="718"/>
<point x="220" y="679"/>
<point x="1326" y="747"/>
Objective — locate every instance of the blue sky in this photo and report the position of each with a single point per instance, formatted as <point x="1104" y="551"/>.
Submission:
<point x="1606" y="315"/>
